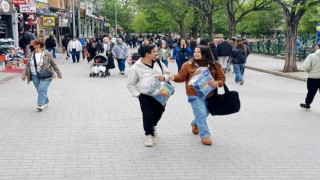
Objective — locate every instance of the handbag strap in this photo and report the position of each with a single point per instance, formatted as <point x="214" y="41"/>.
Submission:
<point x="158" y="61"/>
<point x="34" y="61"/>
<point x="225" y="87"/>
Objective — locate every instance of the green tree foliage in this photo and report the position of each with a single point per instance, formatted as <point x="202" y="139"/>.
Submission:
<point x="125" y="13"/>
<point x="153" y="20"/>
<point x="309" y="21"/>
<point x="262" y="22"/>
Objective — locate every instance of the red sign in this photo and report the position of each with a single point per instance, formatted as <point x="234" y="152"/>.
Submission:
<point x="18" y="2"/>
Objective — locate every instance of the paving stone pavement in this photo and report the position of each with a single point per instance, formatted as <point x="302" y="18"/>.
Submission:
<point x="92" y="129"/>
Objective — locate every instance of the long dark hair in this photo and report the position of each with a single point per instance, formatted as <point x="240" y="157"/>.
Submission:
<point x="207" y="56"/>
<point x="240" y="45"/>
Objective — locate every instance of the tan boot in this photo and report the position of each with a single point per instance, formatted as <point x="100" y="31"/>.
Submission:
<point x="206" y="141"/>
<point x="195" y="129"/>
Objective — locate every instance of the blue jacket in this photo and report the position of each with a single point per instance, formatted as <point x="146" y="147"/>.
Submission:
<point x="177" y="55"/>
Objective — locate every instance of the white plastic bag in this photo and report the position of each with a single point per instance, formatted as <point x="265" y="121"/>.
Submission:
<point x="148" y="84"/>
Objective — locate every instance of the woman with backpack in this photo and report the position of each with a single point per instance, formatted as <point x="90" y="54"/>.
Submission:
<point x="239" y="57"/>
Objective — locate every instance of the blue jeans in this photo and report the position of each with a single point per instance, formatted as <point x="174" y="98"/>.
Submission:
<point x="42" y="89"/>
<point x="165" y="62"/>
<point x="53" y="51"/>
<point x="121" y="64"/>
<point x="238" y="70"/>
<point x="180" y="63"/>
<point x="200" y="111"/>
<point x="75" y="54"/>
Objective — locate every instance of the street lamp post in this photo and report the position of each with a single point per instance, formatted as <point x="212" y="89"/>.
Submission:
<point x="115" y="16"/>
<point x="73" y="20"/>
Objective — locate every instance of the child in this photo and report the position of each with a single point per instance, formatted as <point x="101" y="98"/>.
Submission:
<point x="164" y="53"/>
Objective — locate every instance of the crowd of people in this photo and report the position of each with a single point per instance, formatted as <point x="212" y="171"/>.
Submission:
<point x="154" y="54"/>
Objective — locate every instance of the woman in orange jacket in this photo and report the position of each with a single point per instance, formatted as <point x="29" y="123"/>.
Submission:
<point x="202" y="58"/>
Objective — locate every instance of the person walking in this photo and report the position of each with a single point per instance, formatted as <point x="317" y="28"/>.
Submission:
<point x="82" y="40"/>
<point x="75" y="47"/>
<point x="239" y="58"/>
<point x="202" y="58"/>
<point x="28" y="37"/>
<point x="164" y="53"/>
<point x="224" y="49"/>
<point x="65" y="42"/>
<point x="51" y="45"/>
<point x="40" y="60"/>
<point x="106" y="49"/>
<point x="181" y="53"/>
<point x="147" y="67"/>
<point x="120" y="52"/>
<point x="312" y="66"/>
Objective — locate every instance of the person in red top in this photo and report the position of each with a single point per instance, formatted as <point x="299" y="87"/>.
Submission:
<point x="202" y="58"/>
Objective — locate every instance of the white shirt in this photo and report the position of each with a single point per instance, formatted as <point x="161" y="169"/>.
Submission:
<point x="39" y="61"/>
<point x="73" y="44"/>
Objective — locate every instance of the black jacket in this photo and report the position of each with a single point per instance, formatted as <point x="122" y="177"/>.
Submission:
<point x="238" y="56"/>
<point x="224" y="48"/>
<point x="50" y="43"/>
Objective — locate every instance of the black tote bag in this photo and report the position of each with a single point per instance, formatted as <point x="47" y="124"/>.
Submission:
<point x="223" y="104"/>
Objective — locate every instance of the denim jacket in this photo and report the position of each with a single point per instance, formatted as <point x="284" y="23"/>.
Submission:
<point x="176" y="53"/>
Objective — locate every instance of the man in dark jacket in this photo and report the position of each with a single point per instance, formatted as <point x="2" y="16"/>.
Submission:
<point x="224" y="50"/>
<point x="65" y="42"/>
<point x="51" y="45"/>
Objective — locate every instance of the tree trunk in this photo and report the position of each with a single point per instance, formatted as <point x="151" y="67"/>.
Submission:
<point x="211" y="27"/>
<point x="291" y="37"/>
<point x="195" y="24"/>
<point x="182" y="28"/>
<point x="203" y="24"/>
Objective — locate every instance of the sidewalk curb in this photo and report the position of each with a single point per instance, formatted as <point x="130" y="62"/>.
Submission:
<point x="277" y="73"/>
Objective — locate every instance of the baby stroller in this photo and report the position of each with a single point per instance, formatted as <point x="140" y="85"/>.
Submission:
<point x="100" y="66"/>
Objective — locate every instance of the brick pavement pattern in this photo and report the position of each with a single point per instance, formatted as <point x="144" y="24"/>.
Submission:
<point x="92" y="129"/>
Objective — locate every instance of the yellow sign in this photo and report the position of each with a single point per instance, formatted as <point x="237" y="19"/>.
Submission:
<point x="48" y="21"/>
<point x="318" y="28"/>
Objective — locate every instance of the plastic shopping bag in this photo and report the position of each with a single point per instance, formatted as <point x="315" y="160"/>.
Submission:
<point x="148" y="84"/>
<point x="163" y="92"/>
<point x="200" y="82"/>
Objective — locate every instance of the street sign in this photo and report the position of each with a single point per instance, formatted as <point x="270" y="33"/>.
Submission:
<point x="28" y="8"/>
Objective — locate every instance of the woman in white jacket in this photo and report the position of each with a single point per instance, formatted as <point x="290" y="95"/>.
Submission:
<point x="75" y="47"/>
<point x="312" y="66"/>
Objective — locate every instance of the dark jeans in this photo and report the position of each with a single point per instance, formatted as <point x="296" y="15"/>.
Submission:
<point x="53" y="51"/>
<point x="152" y="111"/>
<point x="121" y="64"/>
<point x="313" y="86"/>
<point x="75" y="54"/>
<point x="180" y="63"/>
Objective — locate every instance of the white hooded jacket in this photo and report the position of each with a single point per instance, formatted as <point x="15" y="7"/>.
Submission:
<point x="138" y="71"/>
<point x="312" y="65"/>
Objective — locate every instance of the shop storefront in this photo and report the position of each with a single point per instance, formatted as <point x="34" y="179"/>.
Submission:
<point x="7" y="26"/>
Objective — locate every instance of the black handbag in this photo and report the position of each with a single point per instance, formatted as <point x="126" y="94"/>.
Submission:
<point x="223" y="104"/>
<point x="42" y="74"/>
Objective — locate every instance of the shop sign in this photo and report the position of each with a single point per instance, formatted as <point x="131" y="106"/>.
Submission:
<point x="15" y="2"/>
<point x="63" y="23"/>
<point x="43" y="8"/>
<point x="28" y="8"/>
<point x="49" y="21"/>
<point x="5" y="7"/>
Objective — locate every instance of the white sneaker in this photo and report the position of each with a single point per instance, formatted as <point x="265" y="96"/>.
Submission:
<point x="155" y="131"/>
<point x="40" y="107"/>
<point x="149" y="141"/>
